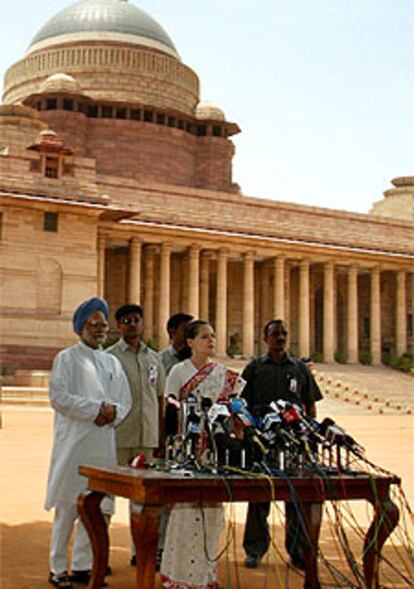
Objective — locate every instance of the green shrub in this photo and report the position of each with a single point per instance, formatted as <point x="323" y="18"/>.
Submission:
<point x="317" y="357"/>
<point x="365" y="357"/>
<point x="340" y="357"/>
<point x="405" y="363"/>
<point x="389" y="359"/>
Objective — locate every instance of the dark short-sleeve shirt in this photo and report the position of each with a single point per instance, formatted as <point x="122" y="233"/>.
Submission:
<point x="267" y="381"/>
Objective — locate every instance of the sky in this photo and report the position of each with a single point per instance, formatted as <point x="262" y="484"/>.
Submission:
<point x="321" y="89"/>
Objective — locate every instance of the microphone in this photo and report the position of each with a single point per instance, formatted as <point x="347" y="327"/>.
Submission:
<point x="171" y="416"/>
<point x="218" y="416"/>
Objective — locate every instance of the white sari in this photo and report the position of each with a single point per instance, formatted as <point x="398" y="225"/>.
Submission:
<point x="193" y="532"/>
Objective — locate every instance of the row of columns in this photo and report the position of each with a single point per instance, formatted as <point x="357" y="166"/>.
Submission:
<point x="198" y="299"/>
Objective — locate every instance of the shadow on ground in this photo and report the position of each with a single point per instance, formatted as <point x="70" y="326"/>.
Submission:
<point x="25" y="562"/>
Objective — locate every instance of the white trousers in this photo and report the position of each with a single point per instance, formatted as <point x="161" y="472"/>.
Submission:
<point x="65" y="516"/>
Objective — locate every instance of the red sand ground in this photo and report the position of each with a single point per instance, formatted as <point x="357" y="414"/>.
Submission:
<point x="25" y="448"/>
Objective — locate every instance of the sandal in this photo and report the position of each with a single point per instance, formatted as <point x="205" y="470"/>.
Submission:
<point x="61" y="580"/>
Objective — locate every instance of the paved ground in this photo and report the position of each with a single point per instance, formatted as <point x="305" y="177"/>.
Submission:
<point x="25" y="440"/>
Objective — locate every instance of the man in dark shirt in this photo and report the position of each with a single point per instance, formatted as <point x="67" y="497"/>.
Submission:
<point x="273" y="376"/>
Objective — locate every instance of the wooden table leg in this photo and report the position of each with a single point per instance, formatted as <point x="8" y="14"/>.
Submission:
<point x="144" y="525"/>
<point x="386" y="516"/>
<point x="312" y="516"/>
<point x="95" y="525"/>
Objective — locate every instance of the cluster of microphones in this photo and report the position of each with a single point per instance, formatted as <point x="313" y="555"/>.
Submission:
<point x="273" y="438"/>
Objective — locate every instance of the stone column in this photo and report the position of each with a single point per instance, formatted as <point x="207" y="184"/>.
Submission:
<point x="193" y="280"/>
<point x="204" y="285"/>
<point x="375" y="321"/>
<point x="266" y="310"/>
<point x="248" y="305"/>
<point x="164" y="302"/>
<point x="101" y="265"/>
<point x="221" y="303"/>
<point x="279" y="288"/>
<point x="401" y="314"/>
<point x="286" y="311"/>
<point x="304" y="326"/>
<point x="328" y="312"/>
<point x="149" y="294"/>
<point x="134" y="284"/>
<point x="352" y="317"/>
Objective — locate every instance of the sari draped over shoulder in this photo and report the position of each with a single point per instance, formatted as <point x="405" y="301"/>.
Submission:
<point x="193" y="533"/>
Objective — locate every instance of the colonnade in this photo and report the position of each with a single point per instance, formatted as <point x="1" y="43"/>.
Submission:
<point x="199" y="298"/>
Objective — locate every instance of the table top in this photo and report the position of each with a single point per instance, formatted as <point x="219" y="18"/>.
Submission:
<point x="158" y="487"/>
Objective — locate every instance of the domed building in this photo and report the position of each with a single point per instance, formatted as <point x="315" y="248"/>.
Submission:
<point x="116" y="179"/>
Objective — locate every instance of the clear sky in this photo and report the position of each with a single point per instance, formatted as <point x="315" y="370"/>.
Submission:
<point x="323" y="90"/>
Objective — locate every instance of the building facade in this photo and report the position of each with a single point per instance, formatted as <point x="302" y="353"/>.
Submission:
<point x="115" y="179"/>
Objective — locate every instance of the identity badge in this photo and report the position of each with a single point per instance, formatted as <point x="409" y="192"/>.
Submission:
<point x="153" y="374"/>
<point x="293" y="386"/>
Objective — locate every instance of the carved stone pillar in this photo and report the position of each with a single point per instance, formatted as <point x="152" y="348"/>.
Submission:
<point x="328" y="312"/>
<point x="266" y="307"/>
<point x="193" y="280"/>
<point x="149" y="293"/>
<point x="304" y="321"/>
<point x="352" y="318"/>
<point x="375" y="322"/>
<point x="164" y="302"/>
<point x="204" y="285"/>
<point x="134" y="284"/>
<point x="279" y="288"/>
<point x="248" y="306"/>
<point x="101" y="266"/>
<point x="401" y="314"/>
<point x="221" y="303"/>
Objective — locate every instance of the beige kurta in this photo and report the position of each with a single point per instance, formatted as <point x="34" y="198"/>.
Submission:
<point x="146" y="377"/>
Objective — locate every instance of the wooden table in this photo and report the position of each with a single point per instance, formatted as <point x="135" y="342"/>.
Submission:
<point x="155" y="489"/>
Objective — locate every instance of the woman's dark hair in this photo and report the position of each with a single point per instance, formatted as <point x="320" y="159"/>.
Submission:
<point x="192" y="329"/>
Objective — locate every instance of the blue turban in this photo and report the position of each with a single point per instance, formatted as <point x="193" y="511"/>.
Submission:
<point x="86" y="309"/>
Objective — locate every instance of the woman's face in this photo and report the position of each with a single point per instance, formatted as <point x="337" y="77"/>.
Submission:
<point x="204" y="342"/>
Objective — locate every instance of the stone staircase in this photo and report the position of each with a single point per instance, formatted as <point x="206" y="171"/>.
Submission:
<point x="351" y="388"/>
<point x="26" y="387"/>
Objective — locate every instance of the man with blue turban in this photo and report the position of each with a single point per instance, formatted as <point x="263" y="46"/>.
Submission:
<point x="90" y="394"/>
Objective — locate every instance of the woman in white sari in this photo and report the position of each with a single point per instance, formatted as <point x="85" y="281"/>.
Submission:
<point x="193" y="532"/>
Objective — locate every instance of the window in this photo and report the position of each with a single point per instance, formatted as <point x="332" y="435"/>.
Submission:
<point x="217" y="131"/>
<point x="171" y="121"/>
<point x="135" y="114"/>
<point x="67" y="104"/>
<point x="51" y="167"/>
<point x="92" y="111"/>
<point x="160" y="118"/>
<point x="201" y="130"/>
<point x="50" y="222"/>
<point x="121" y="113"/>
<point x="51" y="104"/>
<point x="366" y="327"/>
<point x="107" y="112"/>
<point x="409" y="322"/>
<point x="148" y="116"/>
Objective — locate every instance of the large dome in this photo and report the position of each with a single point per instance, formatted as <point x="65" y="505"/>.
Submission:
<point x="103" y="19"/>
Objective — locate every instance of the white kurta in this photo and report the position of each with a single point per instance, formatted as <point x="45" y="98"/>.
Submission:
<point x="81" y="379"/>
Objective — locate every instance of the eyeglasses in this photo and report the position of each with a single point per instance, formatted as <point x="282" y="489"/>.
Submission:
<point x="97" y="323"/>
<point x="128" y="321"/>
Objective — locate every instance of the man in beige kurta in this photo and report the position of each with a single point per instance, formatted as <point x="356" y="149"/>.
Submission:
<point x="142" y="430"/>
